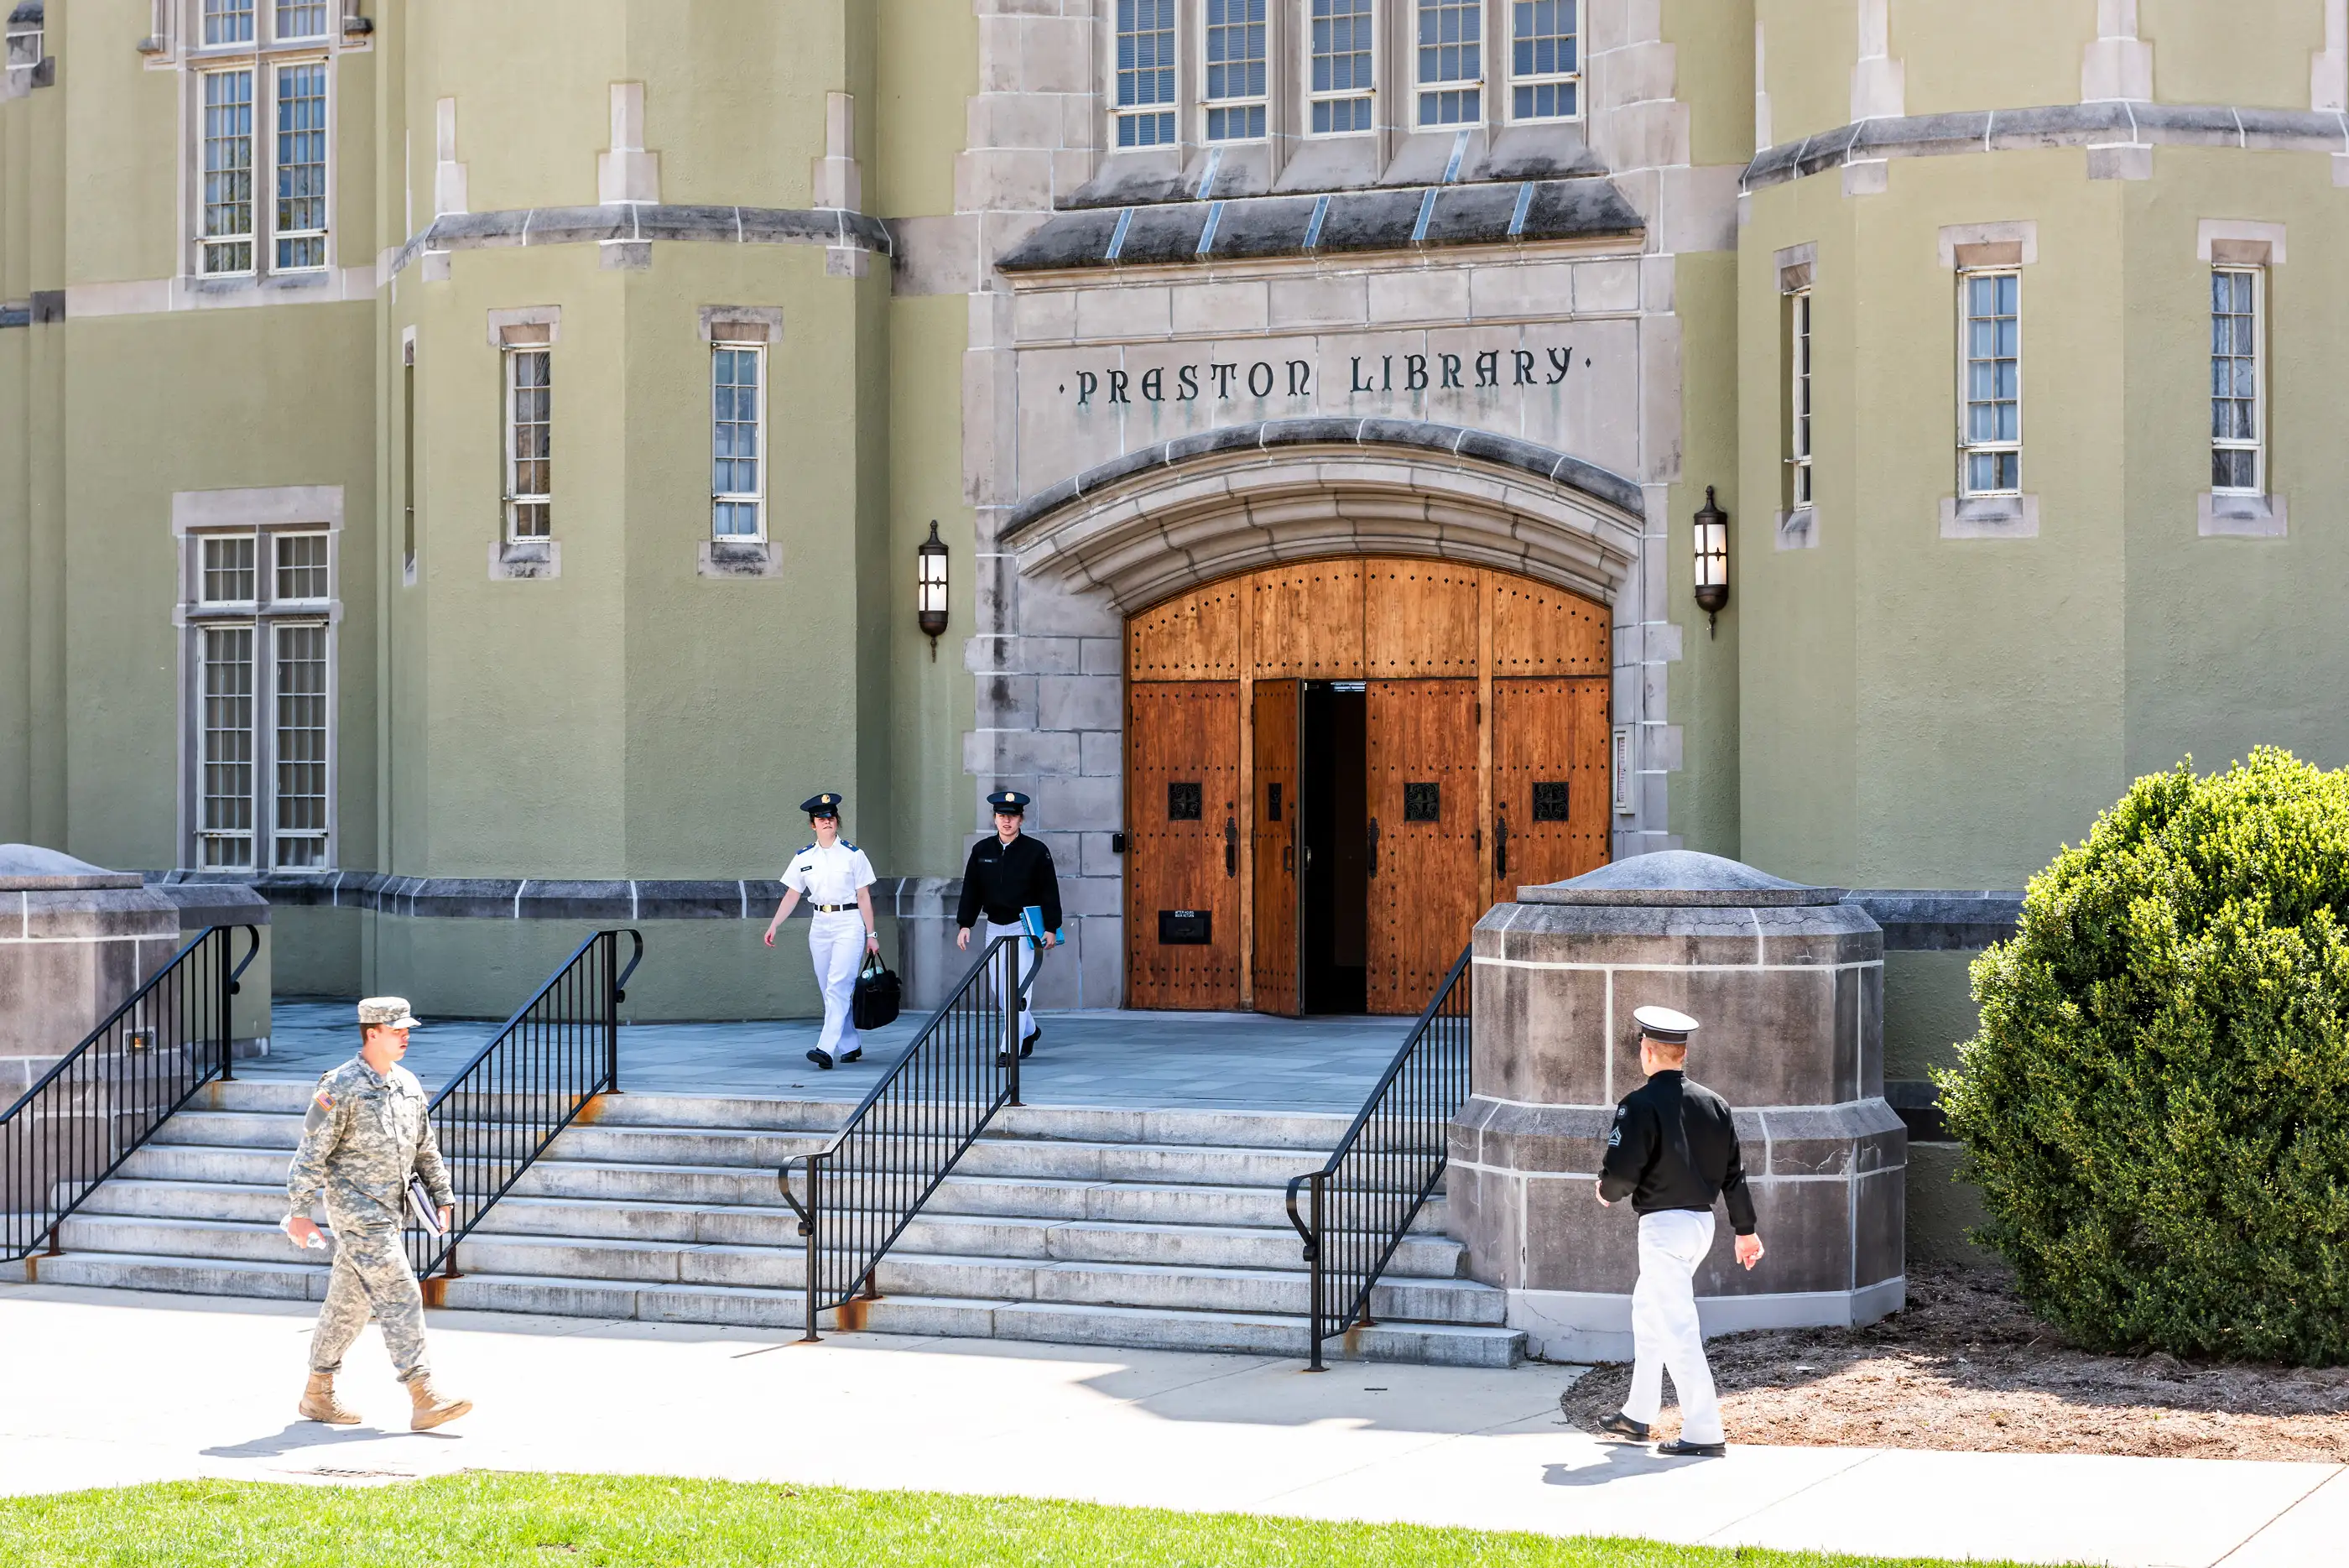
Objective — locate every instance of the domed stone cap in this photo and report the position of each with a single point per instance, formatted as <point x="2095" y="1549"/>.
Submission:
<point x="29" y="868"/>
<point x="1680" y="877"/>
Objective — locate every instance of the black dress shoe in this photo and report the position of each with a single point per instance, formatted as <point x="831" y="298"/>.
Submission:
<point x="1681" y="1448"/>
<point x="855" y="1055"/>
<point x="1003" y="1058"/>
<point x="1618" y="1425"/>
<point x="821" y="1060"/>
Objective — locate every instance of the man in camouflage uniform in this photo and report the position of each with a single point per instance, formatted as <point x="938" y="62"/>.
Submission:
<point x="365" y="1133"/>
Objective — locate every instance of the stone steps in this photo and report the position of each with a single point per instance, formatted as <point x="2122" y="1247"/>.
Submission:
<point x="1144" y="1229"/>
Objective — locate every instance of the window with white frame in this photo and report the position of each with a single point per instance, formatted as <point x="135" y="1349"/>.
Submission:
<point x="2237" y="390"/>
<point x="1799" y="400"/>
<point x="1545" y="61"/>
<point x="227" y="22"/>
<point x="228" y="171"/>
<point x="1146" y="73"/>
<point x="301" y="19"/>
<point x="1234" y="88"/>
<point x="1341" y="53"/>
<point x="260" y="614"/>
<point x="1991" y="396"/>
<point x="301" y="224"/>
<point x="530" y="439"/>
<point x="738" y="418"/>
<point x="1450" y="47"/>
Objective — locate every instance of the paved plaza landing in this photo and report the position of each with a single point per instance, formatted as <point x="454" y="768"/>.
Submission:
<point x="1187" y="1061"/>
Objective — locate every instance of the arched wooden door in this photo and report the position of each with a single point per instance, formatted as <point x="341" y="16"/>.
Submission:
<point x="1479" y="718"/>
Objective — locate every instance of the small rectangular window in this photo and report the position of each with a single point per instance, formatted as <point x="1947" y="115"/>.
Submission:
<point x="228" y="171"/>
<point x="1234" y="54"/>
<point x="530" y="431"/>
<point x="299" y="835"/>
<point x="228" y="570"/>
<point x="225" y="760"/>
<point x="408" y="460"/>
<point x="1799" y="400"/>
<point x="1146" y="73"/>
<point x="738" y="493"/>
<point x="1272" y="801"/>
<point x="228" y="21"/>
<point x="301" y="567"/>
<point x="1551" y="801"/>
<point x="2237" y="358"/>
<point x="1451" y="62"/>
<point x="301" y="19"/>
<point x="1545" y="61"/>
<point x="301" y="227"/>
<point x="1991" y="434"/>
<point x="1342" y="50"/>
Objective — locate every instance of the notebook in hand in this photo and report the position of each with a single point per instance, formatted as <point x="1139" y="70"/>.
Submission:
<point x="421" y="1201"/>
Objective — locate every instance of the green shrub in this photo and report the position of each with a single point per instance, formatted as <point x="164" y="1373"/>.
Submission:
<point x="2157" y="1105"/>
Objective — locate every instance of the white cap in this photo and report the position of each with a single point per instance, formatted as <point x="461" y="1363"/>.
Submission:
<point x="1664" y="1026"/>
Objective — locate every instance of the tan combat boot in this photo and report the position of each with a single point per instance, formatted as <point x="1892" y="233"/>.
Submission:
<point x="432" y="1410"/>
<point x="319" y="1404"/>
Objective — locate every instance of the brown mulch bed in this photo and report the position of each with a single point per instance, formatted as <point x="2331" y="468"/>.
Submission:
<point x="1964" y="1366"/>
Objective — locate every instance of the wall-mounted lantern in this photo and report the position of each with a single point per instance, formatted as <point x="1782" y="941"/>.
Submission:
<point x="1711" y="559"/>
<point x="930" y="588"/>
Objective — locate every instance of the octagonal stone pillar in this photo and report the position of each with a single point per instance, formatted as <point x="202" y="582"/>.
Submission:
<point x="1787" y="982"/>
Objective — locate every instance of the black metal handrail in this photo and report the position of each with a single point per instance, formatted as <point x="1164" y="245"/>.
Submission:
<point x="905" y="1137"/>
<point x="1385" y="1168"/>
<point x="494" y="1118"/>
<point x="105" y="1097"/>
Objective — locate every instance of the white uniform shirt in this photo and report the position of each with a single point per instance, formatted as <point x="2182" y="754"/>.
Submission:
<point x="830" y="876"/>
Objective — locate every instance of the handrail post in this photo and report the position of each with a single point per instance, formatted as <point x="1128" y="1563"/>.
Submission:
<point x="1319" y="1277"/>
<point x="814" y="1220"/>
<point x="1011" y="1003"/>
<point x="227" y="941"/>
<point x="612" y="1010"/>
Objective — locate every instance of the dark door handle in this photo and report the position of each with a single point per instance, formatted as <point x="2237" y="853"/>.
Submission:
<point x="1374" y="846"/>
<point x="1288" y="858"/>
<point x="1231" y="847"/>
<point x="1500" y="846"/>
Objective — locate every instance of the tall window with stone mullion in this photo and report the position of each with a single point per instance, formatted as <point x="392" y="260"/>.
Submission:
<point x="1343" y="46"/>
<point x="2237" y="422"/>
<point x="227" y="217"/>
<point x="1450" y="49"/>
<point x="228" y="22"/>
<point x="301" y="226"/>
<point x="1545" y="61"/>
<point x="1146" y="73"/>
<point x="1992" y="429"/>
<point x="738" y="417"/>
<point x="225" y="760"/>
<point x="530" y="442"/>
<point x="1233" y="49"/>
<point x="299" y="835"/>
<point x="1799" y="400"/>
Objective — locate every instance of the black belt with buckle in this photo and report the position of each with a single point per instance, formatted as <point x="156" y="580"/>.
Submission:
<point x="832" y="909"/>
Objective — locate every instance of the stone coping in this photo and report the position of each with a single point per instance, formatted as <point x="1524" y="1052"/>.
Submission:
<point x="32" y="868"/>
<point x="2099" y="125"/>
<point x="1266" y="435"/>
<point x="1935" y="921"/>
<point x="1673" y="879"/>
<point x="539" y="899"/>
<point x="636" y="222"/>
<point x="1255" y="228"/>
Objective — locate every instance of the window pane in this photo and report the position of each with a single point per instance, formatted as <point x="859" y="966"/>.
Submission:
<point x="1992" y="379"/>
<point x="734" y="440"/>
<point x="301" y="18"/>
<point x="530" y="401"/>
<point x="1450" y="50"/>
<point x="228" y="21"/>
<point x="227" y="571"/>
<point x="228" y="171"/>
<point x="1544" y="60"/>
<point x="301" y="567"/>
<point x="1145" y="72"/>
<point x="1340" y="48"/>
<point x="301" y="165"/>
<point x="224" y="812"/>
<point x="301" y="822"/>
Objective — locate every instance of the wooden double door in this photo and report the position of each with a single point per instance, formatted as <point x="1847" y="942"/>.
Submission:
<point x="1333" y="768"/>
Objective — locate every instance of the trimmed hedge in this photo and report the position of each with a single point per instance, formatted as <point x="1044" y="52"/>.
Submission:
<point x="2157" y="1105"/>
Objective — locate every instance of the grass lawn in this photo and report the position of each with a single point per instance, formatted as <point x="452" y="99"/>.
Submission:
<point x="494" y="1521"/>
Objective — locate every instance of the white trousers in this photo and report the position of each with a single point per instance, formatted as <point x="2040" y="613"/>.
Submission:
<point x="836" y="944"/>
<point x="1027" y="968"/>
<point x="1664" y="1332"/>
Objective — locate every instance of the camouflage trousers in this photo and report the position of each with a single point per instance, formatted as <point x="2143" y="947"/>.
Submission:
<point x="372" y="1273"/>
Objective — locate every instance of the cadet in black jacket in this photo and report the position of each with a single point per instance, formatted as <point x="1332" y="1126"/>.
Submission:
<point x="1005" y="875"/>
<point x="1672" y="1151"/>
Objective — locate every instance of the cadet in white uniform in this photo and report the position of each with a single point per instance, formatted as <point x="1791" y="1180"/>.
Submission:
<point x="836" y="879"/>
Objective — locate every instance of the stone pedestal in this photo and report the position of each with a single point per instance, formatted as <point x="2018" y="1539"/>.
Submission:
<point x="1787" y="982"/>
<point x="75" y="940"/>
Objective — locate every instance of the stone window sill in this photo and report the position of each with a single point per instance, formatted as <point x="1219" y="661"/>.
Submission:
<point x="744" y="558"/>
<point x="1799" y="529"/>
<point x="1991" y="517"/>
<point x="526" y="560"/>
<point x="2240" y="516"/>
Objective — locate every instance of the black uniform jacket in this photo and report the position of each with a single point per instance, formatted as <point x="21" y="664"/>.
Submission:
<point x="1005" y="878"/>
<point x="1673" y="1147"/>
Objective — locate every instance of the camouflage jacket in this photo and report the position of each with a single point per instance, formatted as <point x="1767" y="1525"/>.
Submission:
<point x="361" y="1138"/>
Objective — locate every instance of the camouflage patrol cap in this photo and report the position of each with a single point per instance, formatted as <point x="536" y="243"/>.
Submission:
<point x="388" y="1012"/>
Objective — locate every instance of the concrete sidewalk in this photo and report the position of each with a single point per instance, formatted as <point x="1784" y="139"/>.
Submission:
<point x="108" y="1389"/>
